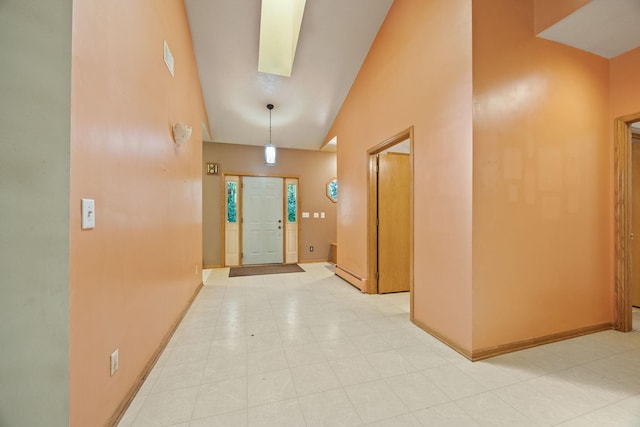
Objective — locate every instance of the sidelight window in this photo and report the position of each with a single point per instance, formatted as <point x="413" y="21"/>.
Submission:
<point x="232" y="201"/>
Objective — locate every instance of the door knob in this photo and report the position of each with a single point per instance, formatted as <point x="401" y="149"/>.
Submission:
<point x="631" y="236"/>
<point x="279" y="227"/>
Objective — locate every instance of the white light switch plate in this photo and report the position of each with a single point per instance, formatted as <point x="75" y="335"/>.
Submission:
<point x="322" y="215"/>
<point x="88" y="214"/>
<point x="305" y="214"/>
<point x="316" y="215"/>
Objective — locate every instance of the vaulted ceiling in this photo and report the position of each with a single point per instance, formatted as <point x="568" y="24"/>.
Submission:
<point x="604" y="27"/>
<point x="334" y="40"/>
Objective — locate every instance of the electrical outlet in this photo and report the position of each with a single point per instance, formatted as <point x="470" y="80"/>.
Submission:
<point x="114" y="362"/>
<point x="310" y="248"/>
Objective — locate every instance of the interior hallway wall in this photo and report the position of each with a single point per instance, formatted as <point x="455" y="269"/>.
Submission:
<point x="315" y="170"/>
<point x="625" y="84"/>
<point x="135" y="273"/>
<point x="542" y="191"/>
<point x="418" y="72"/>
<point x="35" y="98"/>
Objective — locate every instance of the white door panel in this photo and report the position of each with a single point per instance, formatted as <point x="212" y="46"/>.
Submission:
<point x="262" y="220"/>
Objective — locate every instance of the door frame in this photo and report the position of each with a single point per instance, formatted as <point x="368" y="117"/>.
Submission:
<point x="223" y="216"/>
<point x="622" y="214"/>
<point x="372" y="207"/>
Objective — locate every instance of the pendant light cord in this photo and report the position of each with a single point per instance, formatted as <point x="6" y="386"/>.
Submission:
<point x="269" y="126"/>
<point x="270" y="107"/>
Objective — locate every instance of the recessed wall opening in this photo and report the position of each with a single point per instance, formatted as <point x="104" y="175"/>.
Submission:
<point x="390" y="216"/>
<point x="627" y="274"/>
<point x="260" y="220"/>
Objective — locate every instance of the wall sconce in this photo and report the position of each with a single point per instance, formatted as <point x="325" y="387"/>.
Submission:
<point x="181" y="132"/>
<point x="270" y="149"/>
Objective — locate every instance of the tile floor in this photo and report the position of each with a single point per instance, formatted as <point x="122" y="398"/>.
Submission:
<point x="307" y="349"/>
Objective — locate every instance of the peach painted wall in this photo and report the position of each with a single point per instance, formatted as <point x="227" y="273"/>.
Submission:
<point x="418" y="72"/>
<point x="548" y="12"/>
<point x="625" y="84"/>
<point x="315" y="170"/>
<point x="134" y="274"/>
<point x="542" y="169"/>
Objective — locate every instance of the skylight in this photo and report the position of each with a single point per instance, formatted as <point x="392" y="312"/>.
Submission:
<point x="280" y="23"/>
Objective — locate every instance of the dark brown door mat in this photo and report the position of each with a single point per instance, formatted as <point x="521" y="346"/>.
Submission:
<point x="257" y="270"/>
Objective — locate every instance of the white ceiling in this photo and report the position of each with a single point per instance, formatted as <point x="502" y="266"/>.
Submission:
<point x="604" y="27"/>
<point x="334" y="40"/>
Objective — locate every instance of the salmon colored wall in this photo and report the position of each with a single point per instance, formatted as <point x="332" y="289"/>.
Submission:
<point x="548" y="12"/>
<point x="625" y="84"/>
<point x="134" y="274"/>
<point x="418" y="72"/>
<point x="542" y="168"/>
<point x="315" y="170"/>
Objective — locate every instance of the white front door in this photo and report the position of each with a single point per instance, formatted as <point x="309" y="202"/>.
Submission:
<point x="262" y="220"/>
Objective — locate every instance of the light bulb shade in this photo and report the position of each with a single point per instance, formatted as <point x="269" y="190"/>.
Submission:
<point x="270" y="155"/>
<point x="181" y="132"/>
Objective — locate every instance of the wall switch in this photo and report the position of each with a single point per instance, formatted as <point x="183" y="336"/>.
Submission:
<point x="88" y="214"/>
<point x="322" y="215"/>
<point x="316" y="215"/>
<point x="115" y="363"/>
<point x="305" y="214"/>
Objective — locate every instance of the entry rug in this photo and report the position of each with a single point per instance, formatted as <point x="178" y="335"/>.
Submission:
<point x="257" y="270"/>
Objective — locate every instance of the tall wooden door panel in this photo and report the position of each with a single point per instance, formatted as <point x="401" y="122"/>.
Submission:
<point x="635" y="223"/>
<point x="394" y="199"/>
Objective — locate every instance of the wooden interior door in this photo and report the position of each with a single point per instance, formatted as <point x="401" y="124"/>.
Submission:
<point x="394" y="199"/>
<point x="635" y="222"/>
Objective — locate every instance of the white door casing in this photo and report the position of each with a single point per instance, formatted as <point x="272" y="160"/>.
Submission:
<point x="262" y="220"/>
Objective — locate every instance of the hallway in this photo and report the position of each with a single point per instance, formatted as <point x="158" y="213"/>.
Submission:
<point x="307" y="349"/>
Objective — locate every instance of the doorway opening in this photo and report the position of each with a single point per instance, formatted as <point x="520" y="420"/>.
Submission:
<point x="390" y="216"/>
<point x="624" y="226"/>
<point x="260" y="221"/>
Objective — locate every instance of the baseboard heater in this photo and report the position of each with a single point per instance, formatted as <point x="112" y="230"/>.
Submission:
<point x="351" y="277"/>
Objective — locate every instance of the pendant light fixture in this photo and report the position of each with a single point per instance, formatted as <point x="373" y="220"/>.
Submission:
<point x="270" y="149"/>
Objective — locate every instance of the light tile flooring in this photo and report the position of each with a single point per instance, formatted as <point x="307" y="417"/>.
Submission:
<point x="307" y="349"/>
